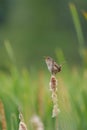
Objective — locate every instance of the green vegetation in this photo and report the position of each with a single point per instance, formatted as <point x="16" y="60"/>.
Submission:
<point x="31" y="93"/>
<point x="29" y="89"/>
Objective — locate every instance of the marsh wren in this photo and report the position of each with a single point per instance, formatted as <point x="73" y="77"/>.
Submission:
<point x="53" y="67"/>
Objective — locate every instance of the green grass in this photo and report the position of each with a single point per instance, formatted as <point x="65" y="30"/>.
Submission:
<point x="31" y="93"/>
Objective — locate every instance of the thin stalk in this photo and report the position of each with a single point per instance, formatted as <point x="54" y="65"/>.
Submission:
<point x="56" y="123"/>
<point x="77" y="25"/>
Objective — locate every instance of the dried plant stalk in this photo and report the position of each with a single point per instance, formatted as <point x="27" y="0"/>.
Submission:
<point x="22" y="125"/>
<point x="53" y="88"/>
<point x="37" y="123"/>
<point x="3" y="118"/>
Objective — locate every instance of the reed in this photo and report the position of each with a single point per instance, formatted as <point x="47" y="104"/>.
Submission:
<point x="3" y="118"/>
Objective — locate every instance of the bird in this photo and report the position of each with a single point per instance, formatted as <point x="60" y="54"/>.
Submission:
<point x="53" y="67"/>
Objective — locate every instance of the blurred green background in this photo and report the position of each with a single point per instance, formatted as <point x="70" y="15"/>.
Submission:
<point x="38" y="28"/>
<point x="30" y="30"/>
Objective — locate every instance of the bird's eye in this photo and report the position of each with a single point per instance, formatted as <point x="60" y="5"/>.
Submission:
<point x="48" y="58"/>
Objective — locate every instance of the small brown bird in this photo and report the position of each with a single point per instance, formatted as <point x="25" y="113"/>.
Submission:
<point x="53" y="67"/>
